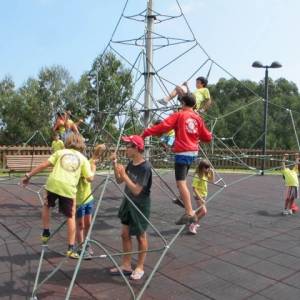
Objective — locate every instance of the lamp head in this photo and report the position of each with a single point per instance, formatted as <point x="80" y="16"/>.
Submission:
<point x="257" y="64"/>
<point x="275" y="65"/>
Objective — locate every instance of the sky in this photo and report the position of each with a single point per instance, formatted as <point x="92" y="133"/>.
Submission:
<point x="71" y="33"/>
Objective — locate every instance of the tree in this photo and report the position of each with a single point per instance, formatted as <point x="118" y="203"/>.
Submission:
<point x="34" y="105"/>
<point x="246" y="121"/>
<point x="109" y="91"/>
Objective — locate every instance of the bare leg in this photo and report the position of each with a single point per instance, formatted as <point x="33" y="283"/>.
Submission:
<point x="143" y="246"/>
<point x="291" y="203"/>
<point x="127" y="247"/>
<point x="202" y="211"/>
<point x="185" y="196"/>
<point x="179" y="90"/>
<point x="46" y="216"/>
<point x="71" y="225"/>
<point x="87" y="224"/>
<point x="80" y="230"/>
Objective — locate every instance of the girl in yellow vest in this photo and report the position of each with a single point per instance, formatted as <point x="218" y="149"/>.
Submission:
<point x="204" y="174"/>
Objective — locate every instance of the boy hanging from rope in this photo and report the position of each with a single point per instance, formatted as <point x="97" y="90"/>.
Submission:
<point x="189" y="131"/>
<point x="292" y="183"/>
<point x="201" y="94"/>
<point x="68" y="166"/>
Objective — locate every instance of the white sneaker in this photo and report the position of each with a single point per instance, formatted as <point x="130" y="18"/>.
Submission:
<point x="193" y="228"/>
<point x="162" y="101"/>
<point x="290" y="212"/>
<point x="197" y="225"/>
<point x="285" y="212"/>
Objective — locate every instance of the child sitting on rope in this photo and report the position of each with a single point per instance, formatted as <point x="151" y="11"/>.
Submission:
<point x="189" y="131"/>
<point x="138" y="180"/>
<point x="68" y="166"/>
<point x="70" y="125"/>
<point x="85" y="203"/>
<point x="57" y="143"/>
<point x="291" y="183"/>
<point x="204" y="173"/>
<point x="59" y="125"/>
<point x="202" y="95"/>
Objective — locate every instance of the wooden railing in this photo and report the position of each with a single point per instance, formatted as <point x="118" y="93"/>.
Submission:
<point x="220" y="158"/>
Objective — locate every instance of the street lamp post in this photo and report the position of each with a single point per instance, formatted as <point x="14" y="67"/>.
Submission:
<point x="273" y="65"/>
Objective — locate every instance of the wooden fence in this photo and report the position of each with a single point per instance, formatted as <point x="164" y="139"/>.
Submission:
<point x="220" y="158"/>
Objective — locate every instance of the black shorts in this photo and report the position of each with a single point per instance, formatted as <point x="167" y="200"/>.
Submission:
<point x="181" y="171"/>
<point x="65" y="204"/>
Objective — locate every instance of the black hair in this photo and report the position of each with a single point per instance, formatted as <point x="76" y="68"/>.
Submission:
<point x="203" y="80"/>
<point x="188" y="100"/>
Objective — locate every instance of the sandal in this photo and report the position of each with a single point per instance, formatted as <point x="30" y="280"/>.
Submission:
<point x="115" y="272"/>
<point x="137" y="274"/>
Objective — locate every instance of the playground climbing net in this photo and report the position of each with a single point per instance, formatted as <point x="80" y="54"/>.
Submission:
<point x="126" y="122"/>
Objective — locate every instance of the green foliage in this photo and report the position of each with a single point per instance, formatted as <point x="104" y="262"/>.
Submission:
<point x="34" y="105"/>
<point x="237" y="110"/>
<point x="245" y="125"/>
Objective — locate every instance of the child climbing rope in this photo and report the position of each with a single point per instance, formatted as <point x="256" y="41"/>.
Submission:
<point x="68" y="166"/>
<point x="189" y="131"/>
<point x="202" y="95"/>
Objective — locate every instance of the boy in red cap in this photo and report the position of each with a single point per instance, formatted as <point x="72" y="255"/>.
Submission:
<point x="138" y="180"/>
<point x="189" y="131"/>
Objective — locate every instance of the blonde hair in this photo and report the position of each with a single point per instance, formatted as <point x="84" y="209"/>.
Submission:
<point x="75" y="141"/>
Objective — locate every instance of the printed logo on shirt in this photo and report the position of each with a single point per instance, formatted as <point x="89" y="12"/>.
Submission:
<point x="70" y="162"/>
<point x="191" y="125"/>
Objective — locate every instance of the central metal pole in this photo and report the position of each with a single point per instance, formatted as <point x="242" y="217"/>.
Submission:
<point x="265" y="128"/>
<point x="148" y="74"/>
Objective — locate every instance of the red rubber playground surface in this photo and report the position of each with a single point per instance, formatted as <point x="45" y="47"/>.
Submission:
<point x="244" y="249"/>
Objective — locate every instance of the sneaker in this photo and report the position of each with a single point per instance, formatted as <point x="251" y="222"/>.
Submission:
<point x="87" y="255"/>
<point x="186" y="219"/>
<point x="290" y="212"/>
<point x="162" y="101"/>
<point x="45" y="238"/>
<point x="72" y="254"/>
<point x="197" y="225"/>
<point x="90" y="249"/>
<point x="178" y="202"/>
<point x="193" y="228"/>
<point x="285" y="212"/>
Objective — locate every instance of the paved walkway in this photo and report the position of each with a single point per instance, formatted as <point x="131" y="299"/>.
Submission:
<point x="244" y="249"/>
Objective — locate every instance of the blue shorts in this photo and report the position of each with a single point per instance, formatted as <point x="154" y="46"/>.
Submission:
<point x="182" y="166"/>
<point x="85" y="209"/>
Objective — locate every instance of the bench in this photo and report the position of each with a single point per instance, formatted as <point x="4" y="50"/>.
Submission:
<point x="24" y="163"/>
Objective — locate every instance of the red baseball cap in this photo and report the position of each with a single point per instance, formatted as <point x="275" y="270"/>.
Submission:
<point x="136" y="140"/>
